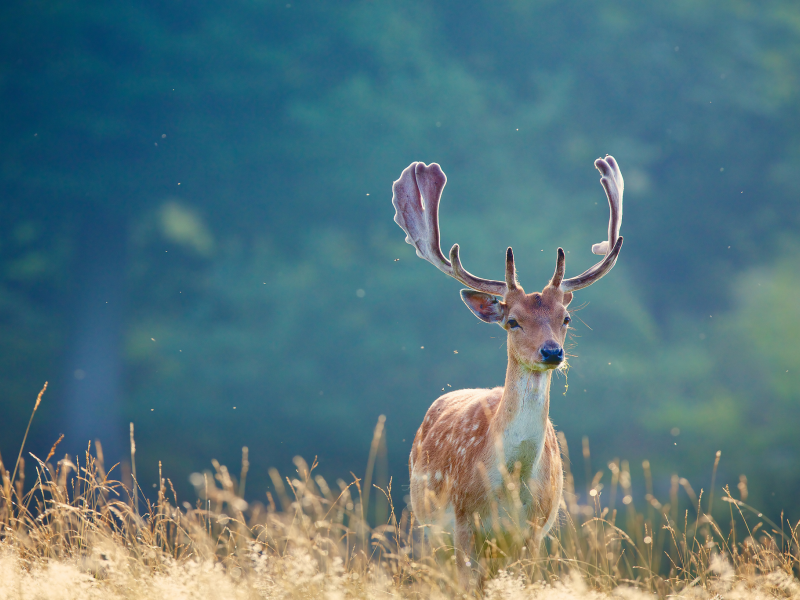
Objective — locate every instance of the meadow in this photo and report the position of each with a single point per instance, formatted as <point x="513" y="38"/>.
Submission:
<point x="71" y="528"/>
<point x="196" y="237"/>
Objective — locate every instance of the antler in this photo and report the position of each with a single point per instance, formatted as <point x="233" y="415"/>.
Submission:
<point x="614" y="185"/>
<point x="415" y="197"/>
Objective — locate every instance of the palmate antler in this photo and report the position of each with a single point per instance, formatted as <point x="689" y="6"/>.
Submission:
<point x="416" y="197"/>
<point x="614" y="185"/>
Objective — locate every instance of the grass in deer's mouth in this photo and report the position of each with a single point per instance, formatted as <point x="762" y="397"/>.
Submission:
<point x="75" y="533"/>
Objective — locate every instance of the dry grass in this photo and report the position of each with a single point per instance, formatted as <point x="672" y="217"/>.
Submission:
<point x="77" y="533"/>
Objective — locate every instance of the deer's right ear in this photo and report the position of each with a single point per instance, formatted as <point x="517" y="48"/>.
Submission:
<point x="484" y="306"/>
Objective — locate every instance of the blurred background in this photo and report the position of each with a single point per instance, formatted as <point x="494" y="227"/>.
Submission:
<point x="196" y="228"/>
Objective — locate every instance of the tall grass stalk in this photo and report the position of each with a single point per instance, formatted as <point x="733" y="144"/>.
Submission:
<point x="77" y="533"/>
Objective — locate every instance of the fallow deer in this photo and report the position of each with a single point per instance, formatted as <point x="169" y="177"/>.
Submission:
<point x="471" y="440"/>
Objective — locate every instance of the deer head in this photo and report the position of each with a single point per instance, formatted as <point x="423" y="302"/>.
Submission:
<point x="536" y="323"/>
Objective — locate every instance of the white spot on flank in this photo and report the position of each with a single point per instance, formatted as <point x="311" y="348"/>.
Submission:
<point x="475" y="427"/>
<point x="438" y="476"/>
<point x="471" y="441"/>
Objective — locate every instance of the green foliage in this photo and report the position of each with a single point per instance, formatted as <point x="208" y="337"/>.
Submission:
<point x="285" y="126"/>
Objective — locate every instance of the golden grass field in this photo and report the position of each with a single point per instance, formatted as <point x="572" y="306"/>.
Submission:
<point x="69" y="529"/>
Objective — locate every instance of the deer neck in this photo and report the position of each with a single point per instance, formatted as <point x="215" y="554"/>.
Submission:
<point x="522" y="416"/>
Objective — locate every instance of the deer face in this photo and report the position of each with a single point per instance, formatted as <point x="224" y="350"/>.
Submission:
<point x="537" y="323"/>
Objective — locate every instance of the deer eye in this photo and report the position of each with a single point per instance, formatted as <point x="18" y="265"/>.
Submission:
<point x="512" y="324"/>
<point x="567" y="320"/>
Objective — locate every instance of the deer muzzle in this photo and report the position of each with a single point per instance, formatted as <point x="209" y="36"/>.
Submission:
<point x="552" y="353"/>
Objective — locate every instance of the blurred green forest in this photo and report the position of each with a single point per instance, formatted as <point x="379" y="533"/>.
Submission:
<point x="195" y="215"/>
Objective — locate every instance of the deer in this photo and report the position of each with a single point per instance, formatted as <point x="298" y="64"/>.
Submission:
<point x="472" y="440"/>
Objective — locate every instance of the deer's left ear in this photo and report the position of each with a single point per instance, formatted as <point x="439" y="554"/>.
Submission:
<point x="484" y="306"/>
<point x="567" y="299"/>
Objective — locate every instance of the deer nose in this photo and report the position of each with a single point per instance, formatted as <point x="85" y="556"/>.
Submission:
<point x="551" y="352"/>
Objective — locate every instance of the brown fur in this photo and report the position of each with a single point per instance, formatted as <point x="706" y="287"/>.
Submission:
<point x="457" y="452"/>
<point x="471" y="440"/>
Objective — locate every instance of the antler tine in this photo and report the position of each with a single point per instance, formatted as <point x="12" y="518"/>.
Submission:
<point x="614" y="186"/>
<point x="558" y="276"/>
<point x="415" y="197"/>
<point x="591" y="275"/>
<point x="511" y="272"/>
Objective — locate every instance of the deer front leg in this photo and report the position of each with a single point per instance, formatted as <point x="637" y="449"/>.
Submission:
<point x="463" y="550"/>
<point x="535" y="542"/>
